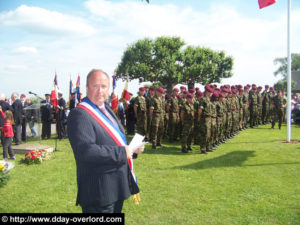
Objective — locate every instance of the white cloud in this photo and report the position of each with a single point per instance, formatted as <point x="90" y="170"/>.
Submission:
<point x="25" y="50"/>
<point x="14" y="67"/>
<point x="39" y="20"/>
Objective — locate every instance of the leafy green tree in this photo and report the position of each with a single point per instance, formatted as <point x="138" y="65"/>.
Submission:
<point x="282" y="69"/>
<point x="165" y="60"/>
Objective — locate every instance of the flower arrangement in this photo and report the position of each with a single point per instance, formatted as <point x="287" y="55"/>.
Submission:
<point x="4" y="177"/>
<point x="35" y="157"/>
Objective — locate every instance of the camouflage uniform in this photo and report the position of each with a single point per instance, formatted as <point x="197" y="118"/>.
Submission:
<point x="149" y="100"/>
<point x="214" y="129"/>
<point x="259" y="108"/>
<point x="188" y="125"/>
<point x="173" y="118"/>
<point x="253" y="108"/>
<point x="278" y="110"/>
<point x="265" y="107"/>
<point x="157" y="121"/>
<point x="228" y="116"/>
<point x="206" y="120"/>
<point x="241" y="111"/>
<point x="245" y="109"/>
<point x="141" y="122"/>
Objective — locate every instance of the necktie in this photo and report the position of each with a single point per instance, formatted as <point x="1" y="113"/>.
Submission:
<point x="106" y="114"/>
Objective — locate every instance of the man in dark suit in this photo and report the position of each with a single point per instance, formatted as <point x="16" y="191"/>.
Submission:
<point x="46" y="116"/>
<point x="104" y="178"/>
<point x="60" y="116"/>
<point x="18" y="113"/>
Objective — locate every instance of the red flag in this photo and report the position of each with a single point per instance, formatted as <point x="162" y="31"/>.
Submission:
<point x="54" y="93"/>
<point x="125" y="94"/>
<point x="53" y="98"/>
<point x="114" y="103"/>
<point x="265" y="3"/>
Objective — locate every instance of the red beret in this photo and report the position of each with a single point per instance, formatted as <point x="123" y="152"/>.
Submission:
<point x="254" y="88"/>
<point x="266" y="86"/>
<point x="229" y="92"/>
<point x="221" y="95"/>
<point x="184" y="92"/>
<point x="167" y="96"/>
<point x="189" y="95"/>
<point x="217" y="89"/>
<point x="23" y="95"/>
<point x="209" y="89"/>
<point x="142" y="89"/>
<point x="152" y="88"/>
<point x="176" y="89"/>
<point x="178" y="96"/>
<point x="246" y="88"/>
<point x="253" y="85"/>
<point x="197" y="89"/>
<point x="260" y="87"/>
<point x="182" y="87"/>
<point x="191" y="91"/>
<point x="199" y="93"/>
<point x="271" y="89"/>
<point x="160" y="89"/>
<point x="241" y="90"/>
<point x="215" y="95"/>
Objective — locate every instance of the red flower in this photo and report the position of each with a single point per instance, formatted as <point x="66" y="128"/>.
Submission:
<point x="33" y="157"/>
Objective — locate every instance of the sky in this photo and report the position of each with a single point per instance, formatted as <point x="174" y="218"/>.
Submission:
<point x="71" y="37"/>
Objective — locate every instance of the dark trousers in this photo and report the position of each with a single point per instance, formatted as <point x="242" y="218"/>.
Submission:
<point x="24" y="129"/>
<point x="46" y="129"/>
<point x="7" y="147"/>
<point x="17" y="132"/>
<point x="115" y="207"/>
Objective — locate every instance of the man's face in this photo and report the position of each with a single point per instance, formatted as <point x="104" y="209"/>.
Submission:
<point x="47" y="97"/>
<point x="190" y="100"/>
<point x="13" y="97"/>
<point x="98" y="88"/>
<point x="175" y="93"/>
<point x="142" y="93"/>
<point x="22" y="98"/>
<point x="28" y="100"/>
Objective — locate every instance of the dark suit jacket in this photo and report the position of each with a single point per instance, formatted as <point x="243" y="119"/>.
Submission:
<point x="103" y="173"/>
<point x="17" y="111"/>
<point x="46" y="111"/>
<point x="5" y="106"/>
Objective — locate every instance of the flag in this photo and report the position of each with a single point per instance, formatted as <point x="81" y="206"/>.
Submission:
<point x="114" y="84"/>
<point x="70" y="90"/>
<point x="114" y="103"/>
<point x="265" y="3"/>
<point x="54" y="92"/>
<point x="125" y="94"/>
<point x="77" y="94"/>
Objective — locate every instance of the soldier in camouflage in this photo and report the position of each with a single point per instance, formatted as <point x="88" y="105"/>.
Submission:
<point x="140" y="111"/>
<point x="187" y="120"/>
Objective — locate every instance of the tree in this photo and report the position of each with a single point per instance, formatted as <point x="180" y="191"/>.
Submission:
<point x="282" y="70"/>
<point x="164" y="60"/>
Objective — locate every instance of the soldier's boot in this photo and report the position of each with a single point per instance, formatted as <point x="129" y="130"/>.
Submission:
<point x="184" y="150"/>
<point x="203" y="150"/>
<point x="273" y="124"/>
<point x="160" y="145"/>
<point x="189" y="148"/>
<point x="209" y="149"/>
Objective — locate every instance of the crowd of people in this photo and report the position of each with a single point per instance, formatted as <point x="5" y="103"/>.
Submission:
<point x="16" y="112"/>
<point x="206" y="119"/>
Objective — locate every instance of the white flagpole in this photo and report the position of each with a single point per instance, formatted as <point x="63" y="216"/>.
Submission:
<point x="288" y="108"/>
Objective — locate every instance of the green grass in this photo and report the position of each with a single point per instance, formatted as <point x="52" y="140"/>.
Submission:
<point x="252" y="179"/>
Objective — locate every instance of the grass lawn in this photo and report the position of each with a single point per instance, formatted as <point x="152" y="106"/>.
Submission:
<point x="252" y="179"/>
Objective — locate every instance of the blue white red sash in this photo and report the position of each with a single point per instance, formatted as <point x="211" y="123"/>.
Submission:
<point x="113" y="131"/>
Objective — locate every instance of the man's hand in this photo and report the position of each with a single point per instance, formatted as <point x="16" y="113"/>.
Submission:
<point x="129" y="152"/>
<point x="140" y="150"/>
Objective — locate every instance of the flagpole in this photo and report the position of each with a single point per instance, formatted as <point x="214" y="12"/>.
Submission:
<point x="288" y="108"/>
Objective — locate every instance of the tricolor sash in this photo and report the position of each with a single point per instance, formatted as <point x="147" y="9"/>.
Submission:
<point x="114" y="132"/>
